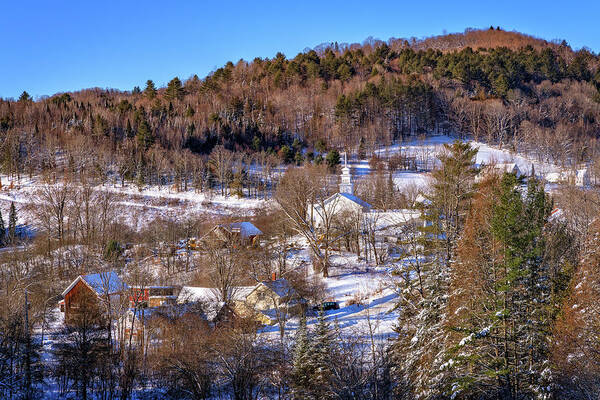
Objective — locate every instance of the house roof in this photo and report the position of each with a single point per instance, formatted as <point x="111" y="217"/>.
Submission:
<point x="505" y="167"/>
<point x="392" y="218"/>
<point x="245" y="229"/>
<point x="350" y="197"/>
<point x="281" y="287"/>
<point x="101" y="283"/>
<point x="191" y="294"/>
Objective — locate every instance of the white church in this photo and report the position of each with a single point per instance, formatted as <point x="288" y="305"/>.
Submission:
<point x="343" y="202"/>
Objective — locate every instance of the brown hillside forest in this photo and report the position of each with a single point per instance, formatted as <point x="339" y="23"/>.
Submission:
<point x="501" y="87"/>
<point x="486" y="286"/>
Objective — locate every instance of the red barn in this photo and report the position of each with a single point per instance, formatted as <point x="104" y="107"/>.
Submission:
<point x="86" y="293"/>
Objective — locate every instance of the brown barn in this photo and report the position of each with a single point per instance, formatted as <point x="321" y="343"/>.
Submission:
<point x="86" y="292"/>
<point x="237" y="232"/>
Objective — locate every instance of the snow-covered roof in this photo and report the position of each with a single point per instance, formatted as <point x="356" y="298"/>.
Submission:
<point x="246" y="229"/>
<point x="281" y="287"/>
<point x="350" y="197"/>
<point x="191" y="294"/>
<point x="421" y="199"/>
<point x="503" y="167"/>
<point x="102" y="283"/>
<point x="388" y="219"/>
<point x="555" y="177"/>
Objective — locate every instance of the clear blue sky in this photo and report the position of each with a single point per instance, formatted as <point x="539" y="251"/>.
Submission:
<point x="52" y="46"/>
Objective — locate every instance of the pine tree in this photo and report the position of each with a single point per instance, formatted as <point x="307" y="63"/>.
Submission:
<point x="452" y="189"/>
<point x="150" y="90"/>
<point x="12" y="224"/>
<point x="500" y="298"/>
<point x="174" y="90"/>
<point x="2" y="230"/>
<point x="320" y="358"/>
<point x="301" y="373"/>
<point x="476" y="303"/>
<point x="25" y="97"/>
<point x="145" y="136"/>
<point x="418" y="356"/>
<point x="333" y="159"/>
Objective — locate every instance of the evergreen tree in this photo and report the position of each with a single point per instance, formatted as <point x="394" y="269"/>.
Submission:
<point x="476" y="302"/>
<point x="452" y="189"/>
<point x="25" y="97"/>
<point x="129" y="132"/>
<point x="501" y="294"/>
<point x="286" y="154"/>
<point x="320" y="358"/>
<point x="256" y="143"/>
<point x="301" y="372"/>
<point x="2" y="230"/>
<point x="418" y="355"/>
<point x="333" y="159"/>
<point x="174" y="90"/>
<point x="145" y="136"/>
<point x="12" y="223"/>
<point x="150" y="90"/>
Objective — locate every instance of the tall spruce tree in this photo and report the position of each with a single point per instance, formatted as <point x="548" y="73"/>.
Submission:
<point x="2" y="230"/>
<point x="301" y="372"/>
<point x="418" y="356"/>
<point x="12" y="223"/>
<point x="320" y="358"/>
<point x="476" y="303"/>
<point x="145" y="136"/>
<point x="150" y="90"/>
<point x="500" y="295"/>
<point x="174" y="90"/>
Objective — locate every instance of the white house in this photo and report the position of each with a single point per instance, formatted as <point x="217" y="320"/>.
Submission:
<point x="580" y="177"/>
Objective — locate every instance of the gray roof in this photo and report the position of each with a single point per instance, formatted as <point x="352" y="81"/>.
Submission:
<point x="102" y="283"/>
<point x="246" y="229"/>
<point x="280" y="286"/>
<point x="350" y="197"/>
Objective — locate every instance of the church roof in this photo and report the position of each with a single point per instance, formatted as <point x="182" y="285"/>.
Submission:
<point x="350" y="197"/>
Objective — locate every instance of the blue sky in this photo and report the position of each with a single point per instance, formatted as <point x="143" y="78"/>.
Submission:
<point x="53" y="46"/>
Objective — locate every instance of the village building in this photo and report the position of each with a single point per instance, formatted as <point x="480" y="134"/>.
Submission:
<point x="499" y="169"/>
<point x="215" y="310"/>
<point x="580" y="177"/>
<point x="87" y="293"/>
<point x="152" y="296"/>
<point x="343" y="203"/>
<point x="268" y="299"/>
<point x="236" y="232"/>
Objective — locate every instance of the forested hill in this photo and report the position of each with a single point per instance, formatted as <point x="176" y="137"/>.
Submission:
<point x="503" y="87"/>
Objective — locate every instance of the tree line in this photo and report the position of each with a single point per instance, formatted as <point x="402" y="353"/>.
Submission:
<point x="342" y="97"/>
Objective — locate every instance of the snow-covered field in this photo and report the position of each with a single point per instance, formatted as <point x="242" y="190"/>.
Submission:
<point x="137" y="208"/>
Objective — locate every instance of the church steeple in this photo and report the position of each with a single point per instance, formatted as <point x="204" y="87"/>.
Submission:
<point x="346" y="185"/>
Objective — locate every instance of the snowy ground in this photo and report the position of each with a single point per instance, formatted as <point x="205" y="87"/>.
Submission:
<point x="137" y="208"/>
<point x="365" y="293"/>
